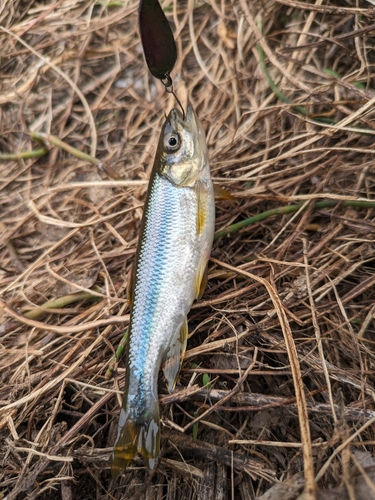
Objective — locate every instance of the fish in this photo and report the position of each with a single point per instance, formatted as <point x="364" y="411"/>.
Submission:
<point x="170" y="272"/>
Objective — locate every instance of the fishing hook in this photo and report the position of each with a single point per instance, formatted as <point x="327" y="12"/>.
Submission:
<point x="168" y="84"/>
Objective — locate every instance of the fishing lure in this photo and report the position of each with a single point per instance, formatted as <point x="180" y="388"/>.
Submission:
<point x="173" y="249"/>
<point x="157" y="39"/>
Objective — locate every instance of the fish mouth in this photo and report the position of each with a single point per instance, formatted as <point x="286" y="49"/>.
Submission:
<point x="177" y="120"/>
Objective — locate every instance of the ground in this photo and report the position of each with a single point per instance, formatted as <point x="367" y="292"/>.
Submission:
<point x="276" y="392"/>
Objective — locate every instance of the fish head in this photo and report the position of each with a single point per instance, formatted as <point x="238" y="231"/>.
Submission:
<point x="182" y="147"/>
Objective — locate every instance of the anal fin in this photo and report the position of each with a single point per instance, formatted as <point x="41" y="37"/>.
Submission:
<point x="173" y="358"/>
<point x="201" y="280"/>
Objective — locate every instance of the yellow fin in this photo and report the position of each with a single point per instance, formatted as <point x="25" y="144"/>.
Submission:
<point x="222" y="193"/>
<point x="174" y="356"/>
<point x="136" y="435"/>
<point x="201" y="192"/>
<point x="201" y="281"/>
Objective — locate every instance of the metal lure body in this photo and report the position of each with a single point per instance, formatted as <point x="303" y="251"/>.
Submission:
<point x="173" y="249"/>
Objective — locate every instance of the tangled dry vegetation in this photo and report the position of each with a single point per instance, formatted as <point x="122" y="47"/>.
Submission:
<point x="276" y="392"/>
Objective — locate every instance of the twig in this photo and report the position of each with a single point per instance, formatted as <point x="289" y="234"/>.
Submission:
<point x="63" y="330"/>
<point x="24" y="155"/>
<point x="68" y="80"/>
<point x="226" y="398"/>
<point x="296" y="374"/>
<point x="48" y="138"/>
<point x="233" y="228"/>
<point x="118" y="355"/>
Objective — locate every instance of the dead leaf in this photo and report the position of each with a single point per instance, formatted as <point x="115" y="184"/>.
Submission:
<point x="226" y="36"/>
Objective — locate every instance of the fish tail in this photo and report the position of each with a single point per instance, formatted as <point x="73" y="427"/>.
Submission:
<point x="140" y="435"/>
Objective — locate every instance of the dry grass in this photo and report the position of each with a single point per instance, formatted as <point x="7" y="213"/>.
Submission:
<point x="278" y="380"/>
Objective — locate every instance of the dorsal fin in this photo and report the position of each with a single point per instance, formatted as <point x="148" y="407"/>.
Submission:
<point x="222" y="193"/>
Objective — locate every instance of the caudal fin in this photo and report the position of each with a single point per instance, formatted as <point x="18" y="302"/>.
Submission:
<point x="140" y="435"/>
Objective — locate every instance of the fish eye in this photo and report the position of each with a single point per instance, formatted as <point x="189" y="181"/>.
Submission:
<point x="172" y="142"/>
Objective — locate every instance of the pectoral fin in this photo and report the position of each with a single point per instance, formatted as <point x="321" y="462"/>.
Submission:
<point x="173" y="358"/>
<point x="222" y="193"/>
<point x="201" y="192"/>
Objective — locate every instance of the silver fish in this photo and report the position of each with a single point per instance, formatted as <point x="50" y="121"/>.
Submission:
<point x="170" y="273"/>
